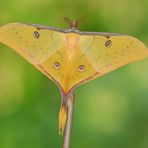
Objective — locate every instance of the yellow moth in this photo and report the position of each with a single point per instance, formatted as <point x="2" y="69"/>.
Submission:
<point x="71" y="57"/>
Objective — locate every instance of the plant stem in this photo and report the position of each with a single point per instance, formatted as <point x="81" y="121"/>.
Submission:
<point x="67" y="134"/>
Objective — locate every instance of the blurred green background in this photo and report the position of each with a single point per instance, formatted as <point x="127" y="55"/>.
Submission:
<point x="110" y="112"/>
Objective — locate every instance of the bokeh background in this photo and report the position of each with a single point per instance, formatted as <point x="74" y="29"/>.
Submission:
<point x="110" y="112"/>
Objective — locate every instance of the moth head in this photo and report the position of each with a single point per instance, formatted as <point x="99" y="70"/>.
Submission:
<point x="73" y="24"/>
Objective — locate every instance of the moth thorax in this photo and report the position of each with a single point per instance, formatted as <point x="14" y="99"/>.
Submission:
<point x="74" y="24"/>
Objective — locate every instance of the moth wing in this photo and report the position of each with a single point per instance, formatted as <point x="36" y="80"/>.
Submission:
<point x="108" y="52"/>
<point x="33" y="43"/>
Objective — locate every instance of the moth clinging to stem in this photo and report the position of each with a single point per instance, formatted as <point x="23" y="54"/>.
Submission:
<point x="70" y="57"/>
